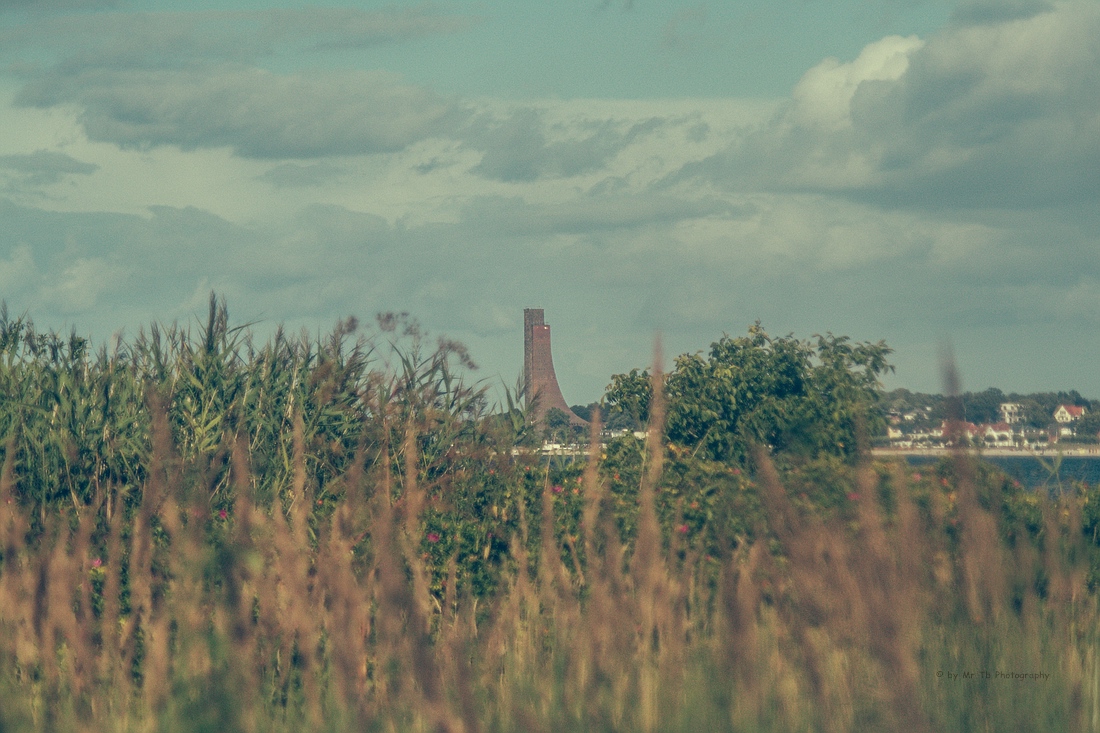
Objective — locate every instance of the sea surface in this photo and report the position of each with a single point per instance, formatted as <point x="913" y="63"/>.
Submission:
<point x="1050" y="472"/>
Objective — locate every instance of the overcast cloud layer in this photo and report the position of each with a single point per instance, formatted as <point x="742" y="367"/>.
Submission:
<point x="935" y="178"/>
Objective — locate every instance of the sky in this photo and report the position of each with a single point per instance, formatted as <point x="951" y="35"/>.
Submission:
<point x="923" y="172"/>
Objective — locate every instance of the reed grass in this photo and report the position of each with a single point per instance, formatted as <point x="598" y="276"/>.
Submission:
<point x="228" y="576"/>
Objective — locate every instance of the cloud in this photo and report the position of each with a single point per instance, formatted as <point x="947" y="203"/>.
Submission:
<point x="17" y="270"/>
<point x="80" y="284"/>
<point x="312" y="175"/>
<point x="918" y="187"/>
<point x="257" y="113"/>
<point x="349" y="28"/>
<point x="589" y="214"/>
<point x="823" y="97"/>
<point x="44" y="167"/>
<point x="609" y="268"/>
<point x="988" y="12"/>
<point x="142" y="39"/>
<point x="526" y="147"/>
<point x="191" y="80"/>
<point x="46" y="5"/>
<point x="1000" y="115"/>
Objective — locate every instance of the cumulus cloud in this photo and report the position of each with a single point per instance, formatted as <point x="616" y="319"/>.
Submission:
<point x="17" y="270"/>
<point x="191" y="80"/>
<point x="992" y="115"/>
<point x="920" y="186"/>
<point x="823" y="97"/>
<point x="79" y="285"/>
<point x="257" y="113"/>
<point x="1001" y="114"/>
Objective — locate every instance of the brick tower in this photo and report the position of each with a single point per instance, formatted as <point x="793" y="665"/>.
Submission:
<point x="538" y="368"/>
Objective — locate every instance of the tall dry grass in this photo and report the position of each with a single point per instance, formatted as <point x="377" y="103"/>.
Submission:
<point x="169" y="616"/>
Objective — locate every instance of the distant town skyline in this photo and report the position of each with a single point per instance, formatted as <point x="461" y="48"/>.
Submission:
<point x="924" y="173"/>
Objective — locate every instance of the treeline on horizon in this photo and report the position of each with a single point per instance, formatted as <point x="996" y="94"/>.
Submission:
<point x="1036" y="408"/>
<point x="931" y="409"/>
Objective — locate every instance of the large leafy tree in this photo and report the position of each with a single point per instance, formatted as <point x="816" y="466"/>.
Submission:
<point x="626" y="400"/>
<point x="802" y="397"/>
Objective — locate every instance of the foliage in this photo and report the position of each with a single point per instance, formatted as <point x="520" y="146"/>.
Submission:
<point x="197" y="533"/>
<point x="557" y="426"/>
<point x="793" y="396"/>
<point x="1037" y="409"/>
<point x="79" y="423"/>
<point x="628" y="396"/>
<point x="1087" y="427"/>
<point x="836" y="598"/>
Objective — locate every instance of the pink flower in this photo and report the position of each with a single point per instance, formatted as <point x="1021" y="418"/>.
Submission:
<point x="853" y="496"/>
<point x="916" y="477"/>
<point x="737" y="472"/>
<point x="433" y="537"/>
<point x="222" y="514"/>
<point x="682" y="529"/>
<point x="97" y="562"/>
<point x="557" y="489"/>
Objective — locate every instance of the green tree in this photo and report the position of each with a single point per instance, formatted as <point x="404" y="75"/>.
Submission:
<point x="750" y="389"/>
<point x="983" y="407"/>
<point x="1087" y="427"/>
<point x="557" y="426"/>
<point x="793" y="396"/>
<point x="626" y="401"/>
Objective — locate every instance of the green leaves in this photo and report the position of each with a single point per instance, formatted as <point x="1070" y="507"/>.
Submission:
<point x="80" y="427"/>
<point x="628" y="395"/>
<point x="790" y="395"/>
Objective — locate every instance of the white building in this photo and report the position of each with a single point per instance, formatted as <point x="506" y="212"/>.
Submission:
<point x="1068" y="413"/>
<point x="1011" y="412"/>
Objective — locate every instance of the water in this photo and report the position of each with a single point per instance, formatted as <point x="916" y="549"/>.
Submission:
<point x="1031" y="472"/>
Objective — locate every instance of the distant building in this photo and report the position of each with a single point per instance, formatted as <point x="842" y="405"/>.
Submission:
<point x="1011" y="412"/>
<point x="540" y="384"/>
<point x="952" y="431"/>
<point x="999" y="435"/>
<point x="1068" y="413"/>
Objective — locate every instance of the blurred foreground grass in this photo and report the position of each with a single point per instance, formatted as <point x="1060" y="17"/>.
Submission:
<point x="290" y="541"/>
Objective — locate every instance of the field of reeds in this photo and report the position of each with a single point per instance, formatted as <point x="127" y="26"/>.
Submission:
<point x="198" y="533"/>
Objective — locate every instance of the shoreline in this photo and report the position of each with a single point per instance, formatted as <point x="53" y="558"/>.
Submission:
<point x="1083" y="452"/>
